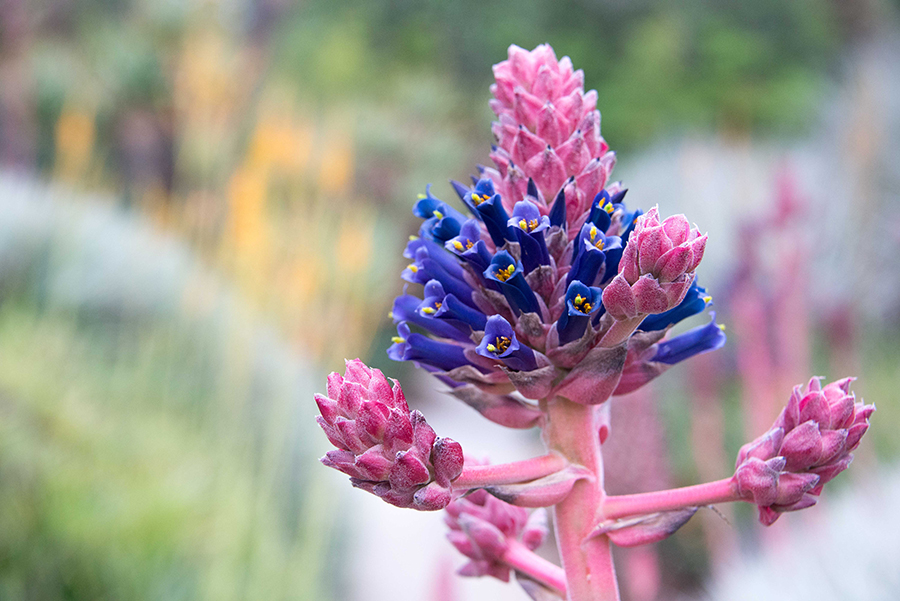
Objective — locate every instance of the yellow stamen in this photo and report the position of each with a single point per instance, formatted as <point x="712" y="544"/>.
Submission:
<point x="413" y="268"/>
<point x="457" y="245"/>
<point x="422" y="196"/>
<point x="398" y="340"/>
<point x="707" y="299"/>
<point x="581" y="303"/>
<point x="438" y="214"/>
<point x="413" y="237"/>
<point x="468" y="244"/>
<point x="500" y="345"/>
<point x="504" y="274"/>
<point x="428" y="310"/>
<point x="609" y="208"/>
<point x="479" y="198"/>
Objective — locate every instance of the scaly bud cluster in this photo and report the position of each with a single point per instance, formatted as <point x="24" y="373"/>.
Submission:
<point x="483" y="527"/>
<point x="809" y="444"/>
<point x="384" y="447"/>
<point x="657" y="267"/>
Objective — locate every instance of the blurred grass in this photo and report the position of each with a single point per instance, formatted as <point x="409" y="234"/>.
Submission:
<point x="122" y="477"/>
<point x="152" y="431"/>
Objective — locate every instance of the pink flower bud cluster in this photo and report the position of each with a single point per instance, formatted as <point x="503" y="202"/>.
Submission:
<point x="809" y="444"/>
<point x="384" y="447"/>
<point x="548" y="128"/>
<point x="657" y="266"/>
<point x="482" y="527"/>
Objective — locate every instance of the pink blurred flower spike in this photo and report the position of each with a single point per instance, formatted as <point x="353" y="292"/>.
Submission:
<point x="384" y="447"/>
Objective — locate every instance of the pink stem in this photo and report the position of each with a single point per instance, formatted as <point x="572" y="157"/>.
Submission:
<point x="478" y="476"/>
<point x="572" y="429"/>
<point x="719" y="491"/>
<point x="522" y="559"/>
<point x="620" y="331"/>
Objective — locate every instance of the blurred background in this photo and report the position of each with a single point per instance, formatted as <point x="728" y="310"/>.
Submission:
<point x="203" y="206"/>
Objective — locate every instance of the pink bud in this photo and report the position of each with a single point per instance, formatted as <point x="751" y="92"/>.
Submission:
<point x="619" y="299"/>
<point x="649" y="296"/>
<point x="814" y="449"/>
<point x="384" y="448"/>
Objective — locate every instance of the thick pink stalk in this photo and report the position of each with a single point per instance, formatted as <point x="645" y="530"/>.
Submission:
<point x="572" y="431"/>
<point x="620" y="331"/>
<point x="620" y="506"/>
<point x="522" y="559"/>
<point x="478" y="476"/>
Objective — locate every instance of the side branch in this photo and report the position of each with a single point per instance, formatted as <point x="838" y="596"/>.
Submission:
<point x="521" y="559"/>
<point x="620" y="506"/>
<point x="480" y="476"/>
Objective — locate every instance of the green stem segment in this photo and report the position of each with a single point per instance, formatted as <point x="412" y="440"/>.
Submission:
<point x="572" y="430"/>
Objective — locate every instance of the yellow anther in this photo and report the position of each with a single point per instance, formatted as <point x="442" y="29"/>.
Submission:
<point x="491" y="348"/>
<point x="413" y="268"/>
<point x="438" y="305"/>
<point x="398" y="340"/>
<point x="479" y="198"/>
<point x="468" y="244"/>
<point x="581" y="303"/>
<point x="609" y="208"/>
<point x="593" y="232"/>
<point x="500" y="345"/>
<point x="599" y="244"/>
<point x="721" y="326"/>
<point x="523" y="224"/>
<point x="504" y="274"/>
<point x="422" y="196"/>
<point x="457" y="245"/>
<point x="438" y="214"/>
<point x="707" y="299"/>
<point x="413" y="237"/>
<point x="428" y="310"/>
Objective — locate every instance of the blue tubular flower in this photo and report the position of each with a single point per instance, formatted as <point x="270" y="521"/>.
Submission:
<point x="693" y="342"/>
<point x="470" y="247"/>
<point x="447" y="307"/>
<point x="581" y="303"/>
<point x="422" y="349"/>
<point x="489" y="208"/>
<point x="500" y="342"/>
<point x="558" y="210"/>
<point x="695" y="301"/>
<point x="592" y="248"/>
<point x="507" y="272"/>
<point x="430" y="264"/>
<point x="407" y="309"/>
<point x="601" y="211"/>
<point x="529" y="226"/>
<point x="442" y="221"/>
<point x="421" y="248"/>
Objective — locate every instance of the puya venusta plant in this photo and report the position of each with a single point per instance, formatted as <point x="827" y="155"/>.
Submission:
<point x="549" y="299"/>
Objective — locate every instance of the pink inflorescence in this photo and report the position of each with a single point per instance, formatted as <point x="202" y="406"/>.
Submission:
<point x="482" y="527"/>
<point x="384" y="447"/>
<point x="809" y="444"/>
<point x="539" y="287"/>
